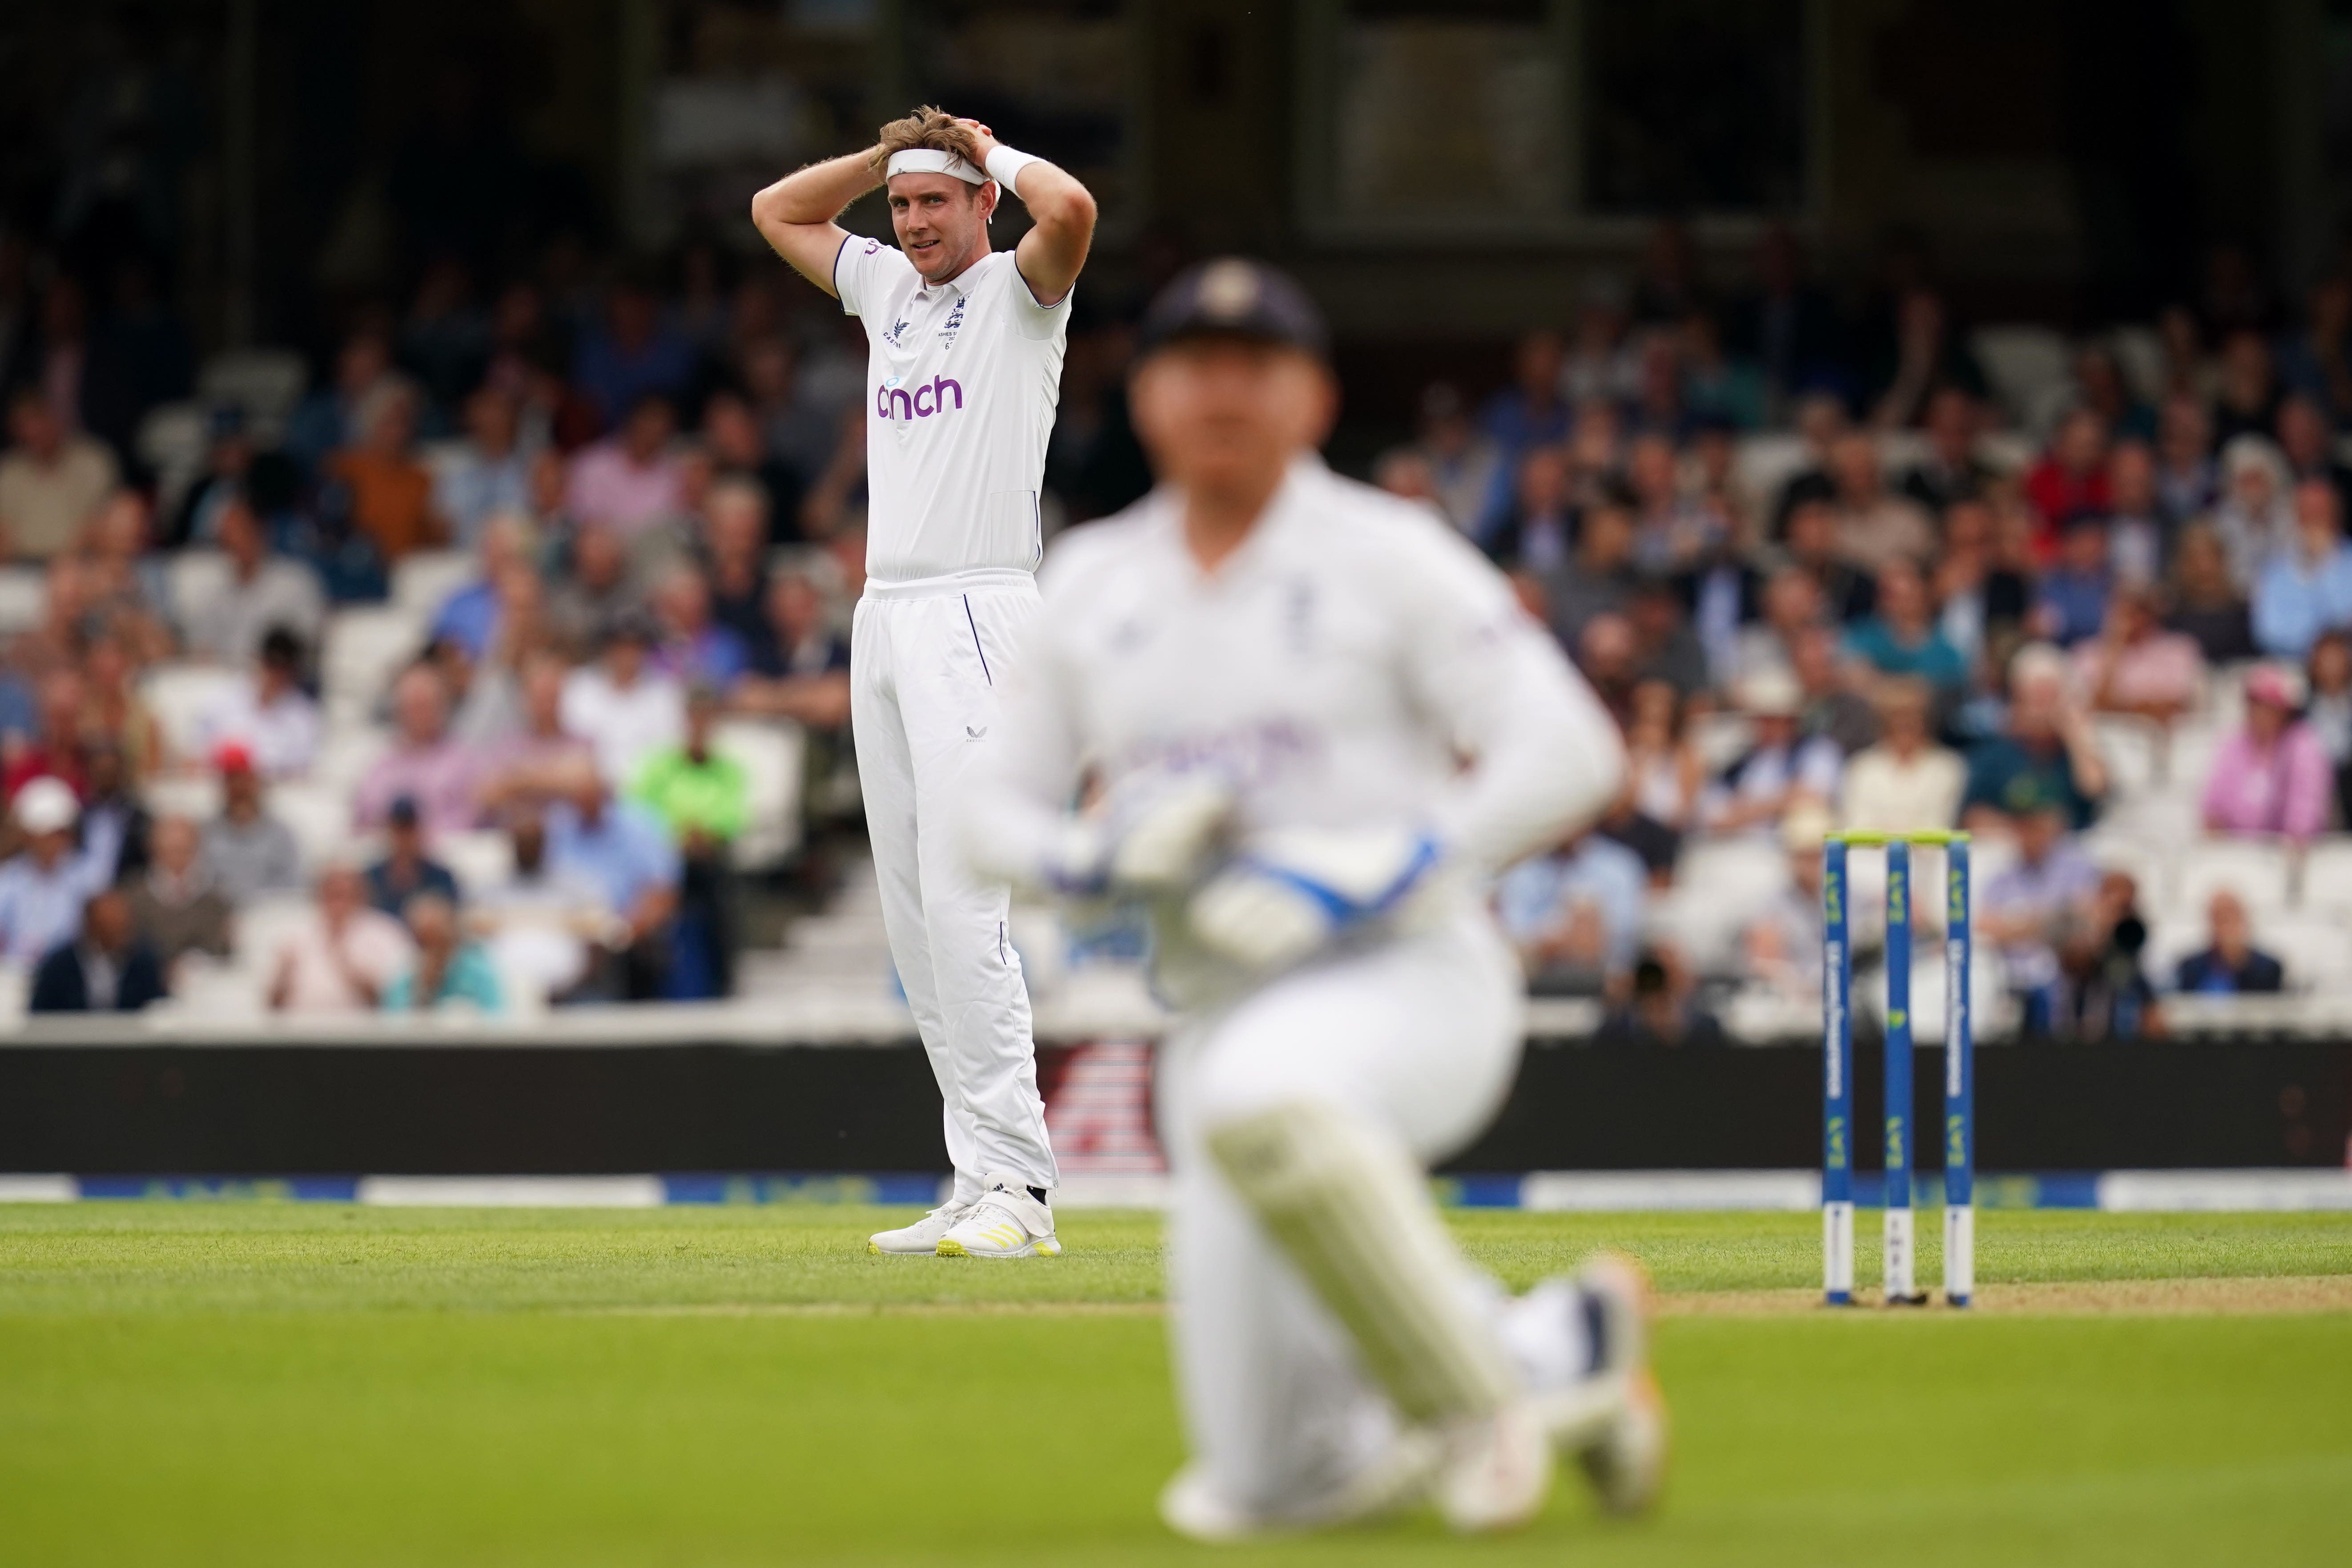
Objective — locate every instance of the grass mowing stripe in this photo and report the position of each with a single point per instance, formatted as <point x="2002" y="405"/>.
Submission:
<point x="262" y="1439"/>
<point x="179" y="1257"/>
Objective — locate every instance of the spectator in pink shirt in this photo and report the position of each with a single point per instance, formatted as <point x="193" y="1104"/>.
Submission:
<point x="2271" y="778"/>
<point x="425" y="764"/>
<point x="2135" y="666"/>
<point x="630" y="481"/>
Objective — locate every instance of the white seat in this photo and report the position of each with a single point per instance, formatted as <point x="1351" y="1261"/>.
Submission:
<point x="1765" y="463"/>
<point x="2162" y="819"/>
<point x="2256" y="869"/>
<point x="266" y="382"/>
<point x="2316" y="952"/>
<point x="2007" y="451"/>
<point x="2131" y="748"/>
<point x="15" y="991"/>
<point x="2140" y="861"/>
<point x="24" y="594"/>
<point x="2169" y="941"/>
<point x="2189" y="756"/>
<point x="2139" y="354"/>
<point x="2326" y="885"/>
<point x="345" y="754"/>
<point x="2023" y="363"/>
<point x="172" y="440"/>
<point x="1721" y="885"/>
<point x="522" y="987"/>
<point x="364" y="649"/>
<point x="262" y="924"/>
<point x="180" y="694"/>
<point x="1899" y="451"/>
<point x="2225" y="694"/>
<point x="214" y="992"/>
<point x="196" y="796"/>
<point x="1721" y="739"/>
<point x="422" y="581"/>
<point x="194" y="577"/>
<point x="771" y="753"/>
<point x="479" y="860"/>
<point x="1740" y="868"/>
<point x="320" y="817"/>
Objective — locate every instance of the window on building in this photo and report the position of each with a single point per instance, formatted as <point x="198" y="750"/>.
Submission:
<point x="1534" y="118"/>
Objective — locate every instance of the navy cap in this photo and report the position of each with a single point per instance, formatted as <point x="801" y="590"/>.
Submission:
<point x="1234" y="296"/>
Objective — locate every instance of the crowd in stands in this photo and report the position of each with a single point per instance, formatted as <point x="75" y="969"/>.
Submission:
<point x="478" y="674"/>
<point x="460" y="673"/>
<point x="1833" y="571"/>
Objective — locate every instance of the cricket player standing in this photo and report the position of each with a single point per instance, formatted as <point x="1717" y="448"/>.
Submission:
<point x="1315" y="720"/>
<point x="963" y="375"/>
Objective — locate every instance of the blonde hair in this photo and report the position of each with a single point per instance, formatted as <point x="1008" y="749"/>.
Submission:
<point x="930" y="127"/>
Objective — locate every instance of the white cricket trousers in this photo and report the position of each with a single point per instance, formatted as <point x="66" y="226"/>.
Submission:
<point x="1418" y="1040"/>
<point x="924" y="663"/>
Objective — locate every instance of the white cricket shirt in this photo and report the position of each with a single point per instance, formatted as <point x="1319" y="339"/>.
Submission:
<point x="1337" y="670"/>
<point x="962" y="381"/>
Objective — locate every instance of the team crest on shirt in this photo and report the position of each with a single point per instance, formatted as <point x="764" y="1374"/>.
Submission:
<point x="954" y="323"/>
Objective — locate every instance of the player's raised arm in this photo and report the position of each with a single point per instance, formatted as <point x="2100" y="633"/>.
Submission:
<point x="1054" y="250"/>
<point x="796" y="215"/>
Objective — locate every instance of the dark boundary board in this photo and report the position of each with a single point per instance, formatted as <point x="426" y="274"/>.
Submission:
<point x="288" y="1108"/>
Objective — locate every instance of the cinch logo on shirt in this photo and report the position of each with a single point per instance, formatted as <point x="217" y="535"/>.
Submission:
<point x="897" y="403"/>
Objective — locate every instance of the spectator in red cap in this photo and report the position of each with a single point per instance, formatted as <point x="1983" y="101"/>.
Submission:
<point x="267" y="714"/>
<point x="248" y="852"/>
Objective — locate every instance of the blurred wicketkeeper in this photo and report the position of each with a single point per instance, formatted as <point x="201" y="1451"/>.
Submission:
<point x="1276" y="677"/>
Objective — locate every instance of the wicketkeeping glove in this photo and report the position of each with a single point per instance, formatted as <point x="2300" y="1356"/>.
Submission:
<point x="1153" y="836"/>
<point x="1290" y="891"/>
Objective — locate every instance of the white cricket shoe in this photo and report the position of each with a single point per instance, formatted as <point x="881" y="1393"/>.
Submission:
<point x="1396" y="1479"/>
<point x="1606" y="1410"/>
<point x="923" y="1235"/>
<point x="1497" y="1469"/>
<point x="1626" y="1460"/>
<point x="1003" y="1221"/>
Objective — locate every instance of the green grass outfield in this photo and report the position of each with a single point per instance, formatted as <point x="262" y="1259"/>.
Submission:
<point x="266" y="1383"/>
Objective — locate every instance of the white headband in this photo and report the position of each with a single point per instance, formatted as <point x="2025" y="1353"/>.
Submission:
<point x="931" y="161"/>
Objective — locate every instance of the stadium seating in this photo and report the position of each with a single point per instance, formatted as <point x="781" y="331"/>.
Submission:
<point x="2028" y="366"/>
<point x="2133" y="750"/>
<point x="771" y="753"/>
<point x="2261" y="873"/>
<point x="480" y="860"/>
<point x="172" y="441"/>
<point x="191" y="577"/>
<point x="319" y="816"/>
<point x="180" y="694"/>
<point x="23" y="592"/>
<point x="2325" y="886"/>
<point x="265" y="384"/>
<point x="365" y="649"/>
<point x="422" y="581"/>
